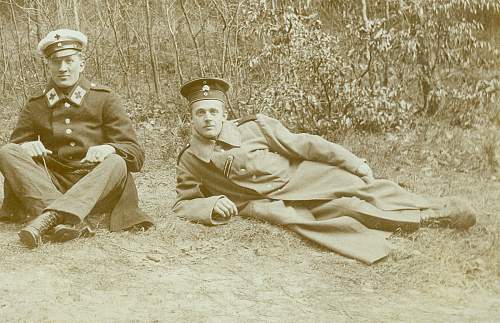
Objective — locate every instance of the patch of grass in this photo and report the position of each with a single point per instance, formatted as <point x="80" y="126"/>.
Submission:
<point x="431" y="160"/>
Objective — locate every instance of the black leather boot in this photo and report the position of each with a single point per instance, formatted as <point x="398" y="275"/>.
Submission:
<point x="31" y="234"/>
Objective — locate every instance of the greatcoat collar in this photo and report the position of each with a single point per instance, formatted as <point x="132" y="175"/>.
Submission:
<point x="203" y="148"/>
<point x="54" y="94"/>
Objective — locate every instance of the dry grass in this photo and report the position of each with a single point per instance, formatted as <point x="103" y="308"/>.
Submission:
<point x="439" y="162"/>
<point x="249" y="270"/>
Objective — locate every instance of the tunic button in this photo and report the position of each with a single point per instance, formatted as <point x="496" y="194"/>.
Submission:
<point x="70" y="157"/>
<point x="72" y="144"/>
<point x="69" y="131"/>
<point x="67" y="105"/>
<point x="243" y="170"/>
<point x="67" y="121"/>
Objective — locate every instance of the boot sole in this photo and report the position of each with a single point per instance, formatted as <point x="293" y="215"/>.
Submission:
<point x="29" y="239"/>
<point x="65" y="234"/>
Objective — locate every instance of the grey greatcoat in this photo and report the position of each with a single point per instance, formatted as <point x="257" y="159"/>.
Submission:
<point x="301" y="181"/>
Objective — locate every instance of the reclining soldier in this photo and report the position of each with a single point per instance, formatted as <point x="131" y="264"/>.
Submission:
<point x="254" y="167"/>
<point x="71" y="152"/>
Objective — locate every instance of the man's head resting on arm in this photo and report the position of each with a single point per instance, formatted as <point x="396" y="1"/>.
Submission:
<point x="206" y="98"/>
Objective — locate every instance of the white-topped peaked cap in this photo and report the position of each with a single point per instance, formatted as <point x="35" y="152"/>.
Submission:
<point x="62" y="42"/>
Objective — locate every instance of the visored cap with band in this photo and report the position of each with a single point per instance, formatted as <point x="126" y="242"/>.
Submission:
<point x="205" y="89"/>
<point x="62" y="42"/>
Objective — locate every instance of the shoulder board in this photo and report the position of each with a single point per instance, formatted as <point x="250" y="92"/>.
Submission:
<point x="98" y="87"/>
<point x="245" y="119"/>
<point x="182" y="152"/>
<point x="36" y="95"/>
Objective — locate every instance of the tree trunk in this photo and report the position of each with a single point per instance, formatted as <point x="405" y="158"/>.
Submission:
<point x="19" y="52"/>
<point x="60" y="13"/>
<point x="151" y="50"/>
<point x="75" y="14"/>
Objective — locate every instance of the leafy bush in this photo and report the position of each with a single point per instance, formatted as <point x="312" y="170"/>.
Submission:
<point x="372" y="74"/>
<point x="320" y="66"/>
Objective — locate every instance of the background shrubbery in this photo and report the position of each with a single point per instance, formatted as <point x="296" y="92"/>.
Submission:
<point x="321" y="66"/>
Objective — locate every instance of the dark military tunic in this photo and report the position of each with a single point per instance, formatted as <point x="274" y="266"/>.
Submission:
<point x="69" y="124"/>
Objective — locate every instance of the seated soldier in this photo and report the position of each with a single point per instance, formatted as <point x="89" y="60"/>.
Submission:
<point x="254" y="167"/>
<point x="71" y="152"/>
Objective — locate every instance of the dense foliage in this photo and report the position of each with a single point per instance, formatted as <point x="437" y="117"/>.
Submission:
<point x="322" y="66"/>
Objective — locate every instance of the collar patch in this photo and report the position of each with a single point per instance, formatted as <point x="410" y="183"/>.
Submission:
<point x="52" y="97"/>
<point x="77" y="95"/>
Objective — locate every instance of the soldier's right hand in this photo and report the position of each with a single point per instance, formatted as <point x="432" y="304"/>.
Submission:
<point x="225" y="208"/>
<point x="35" y="148"/>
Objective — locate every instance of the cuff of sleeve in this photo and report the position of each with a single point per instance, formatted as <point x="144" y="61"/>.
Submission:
<point x="354" y="165"/>
<point x="119" y="151"/>
<point x="129" y="158"/>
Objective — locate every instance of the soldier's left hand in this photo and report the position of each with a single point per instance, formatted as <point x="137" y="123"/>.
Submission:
<point x="365" y="172"/>
<point x="97" y="154"/>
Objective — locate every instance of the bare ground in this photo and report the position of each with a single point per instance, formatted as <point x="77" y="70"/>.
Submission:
<point x="249" y="271"/>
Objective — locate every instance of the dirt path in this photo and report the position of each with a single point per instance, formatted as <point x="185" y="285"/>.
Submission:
<point x="246" y="272"/>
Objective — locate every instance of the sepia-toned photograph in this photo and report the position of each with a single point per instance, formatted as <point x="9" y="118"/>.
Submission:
<point x="249" y="161"/>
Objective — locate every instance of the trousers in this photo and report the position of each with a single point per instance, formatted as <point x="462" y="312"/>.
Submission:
<point x="40" y="187"/>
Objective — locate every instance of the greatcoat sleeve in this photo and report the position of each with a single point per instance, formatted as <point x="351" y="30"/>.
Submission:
<point x="191" y="203"/>
<point x="121" y="135"/>
<point x="306" y="146"/>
